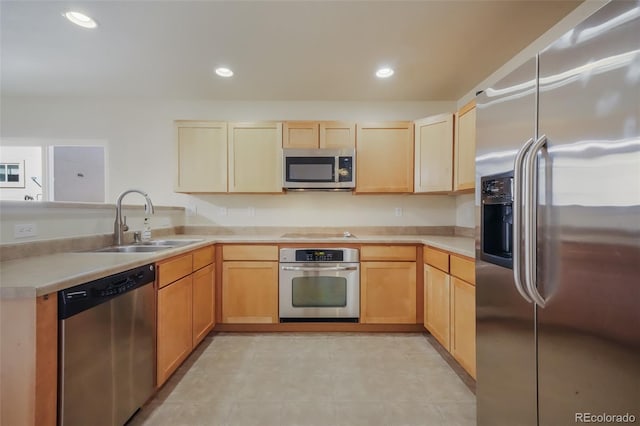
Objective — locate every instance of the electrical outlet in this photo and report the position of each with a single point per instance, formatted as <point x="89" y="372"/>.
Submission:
<point x="25" y="230"/>
<point x="398" y="211"/>
<point x="251" y="211"/>
<point x="222" y="211"/>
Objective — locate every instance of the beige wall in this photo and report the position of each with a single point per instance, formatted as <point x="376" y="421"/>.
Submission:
<point x="139" y="136"/>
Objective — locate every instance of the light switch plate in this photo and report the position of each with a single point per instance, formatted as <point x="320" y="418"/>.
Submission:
<point x="25" y="230"/>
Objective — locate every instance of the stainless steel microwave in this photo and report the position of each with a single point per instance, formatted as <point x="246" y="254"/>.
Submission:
<point x="319" y="169"/>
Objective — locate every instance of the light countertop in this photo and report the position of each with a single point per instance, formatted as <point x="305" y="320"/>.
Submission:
<point x="37" y="276"/>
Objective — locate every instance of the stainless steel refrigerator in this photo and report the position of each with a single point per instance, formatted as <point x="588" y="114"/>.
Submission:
<point x="558" y="247"/>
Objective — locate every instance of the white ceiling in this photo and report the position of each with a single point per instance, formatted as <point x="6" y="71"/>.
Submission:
<point x="290" y="50"/>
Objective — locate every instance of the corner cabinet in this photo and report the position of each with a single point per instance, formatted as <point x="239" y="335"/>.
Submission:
<point x="434" y="154"/>
<point x="185" y="307"/>
<point x="201" y="152"/>
<point x="249" y="284"/>
<point x="319" y="134"/>
<point x="255" y="157"/>
<point x="465" y="149"/>
<point x="384" y="157"/>
<point x="388" y="285"/>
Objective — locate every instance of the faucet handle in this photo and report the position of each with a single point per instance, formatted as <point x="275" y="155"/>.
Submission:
<point x="125" y="227"/>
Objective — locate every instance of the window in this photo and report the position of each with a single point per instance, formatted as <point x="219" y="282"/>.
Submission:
<point x="12" y="175"/>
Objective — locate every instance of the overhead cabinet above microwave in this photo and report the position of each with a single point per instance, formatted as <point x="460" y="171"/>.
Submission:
<point x="319" y="134"/>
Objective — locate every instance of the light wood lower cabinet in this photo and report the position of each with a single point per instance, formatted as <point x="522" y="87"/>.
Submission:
<point x="249" y="292"/>
<point x="203" y="303"/>
<point x="437" y="304"/>
<point x="388" y="292"/>
<point x="175" y="342"/>
<point x="463" y="324"/>
<point x="450" y="304"/>
<point x="186" y="307"/>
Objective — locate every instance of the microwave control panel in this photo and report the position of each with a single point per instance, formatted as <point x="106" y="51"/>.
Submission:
<point x="345" y="169"/>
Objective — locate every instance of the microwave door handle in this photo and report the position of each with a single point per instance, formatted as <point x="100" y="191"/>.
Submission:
<point x="336" y="169"/>
<point x="319" y="268"/>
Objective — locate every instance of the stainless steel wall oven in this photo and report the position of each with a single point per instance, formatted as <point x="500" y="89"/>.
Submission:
<point x="319" y="284"/>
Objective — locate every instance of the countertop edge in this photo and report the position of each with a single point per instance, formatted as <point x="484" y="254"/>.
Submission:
<point x="124" y="261"/>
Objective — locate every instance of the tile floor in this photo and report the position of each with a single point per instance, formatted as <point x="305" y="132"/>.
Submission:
<point x="323" y="379"/>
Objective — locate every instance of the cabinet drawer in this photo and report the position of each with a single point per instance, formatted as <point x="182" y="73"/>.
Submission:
<point x="254" y="252"/>
<point x="202" y="257"/>
<point x="388" y="253"/>
<point x="465" y="269"/>
<point x="436" y="258"/>
<point x="174" y="269"/>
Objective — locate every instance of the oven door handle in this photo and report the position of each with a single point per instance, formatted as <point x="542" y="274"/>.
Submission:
<point x="319" y="269"/>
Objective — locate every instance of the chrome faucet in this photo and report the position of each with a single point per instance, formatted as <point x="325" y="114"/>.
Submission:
<point x="120" y="226"/>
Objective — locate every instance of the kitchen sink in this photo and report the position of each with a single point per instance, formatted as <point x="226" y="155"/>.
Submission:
<point x="148" y="246"/>
<point x="172" y="243"/>
<point x="134" y="248"/>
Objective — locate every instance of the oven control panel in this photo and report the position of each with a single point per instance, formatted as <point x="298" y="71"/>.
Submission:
<point x="316" y="255"/>
<point x="319" y="255"/>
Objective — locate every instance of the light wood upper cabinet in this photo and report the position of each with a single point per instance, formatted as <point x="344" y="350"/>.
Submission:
<point x="249" y="292"/>
<point x="388" y="292"/>
<point x="255" y="157"/>
<point x="300" y="134"/>
<point x="323" y="134"/>
<point x="201" y="150"/>
<point x="434" y="154"/>
<point x="437" y="304"/>
<point x="174" y="327"/>
<point x="463" y="324"/>
<point x="465" y="149"/>
<point x="384" y="157"/>
<point x="337" y="135"/>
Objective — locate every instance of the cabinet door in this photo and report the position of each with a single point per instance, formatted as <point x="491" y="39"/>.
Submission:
<point x="174" y="326"/>
<point x="463" y="324"/>
<point x="434" y="154"/>
<point x="465" y="149"/>
<point x="203" y="303"/>
<point x="384" y="157"/>
<point x="249" y="292"/>
<point x="337" y="135"/>
<point x="202" y="156"/>
<point x="436" y="304"/>
<point x="388" y="292"/>
<point x="300" y="134"/>
<point x="255" y="157"/>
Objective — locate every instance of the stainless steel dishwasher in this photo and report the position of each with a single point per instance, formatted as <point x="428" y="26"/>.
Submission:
<point x="107" y="348"/>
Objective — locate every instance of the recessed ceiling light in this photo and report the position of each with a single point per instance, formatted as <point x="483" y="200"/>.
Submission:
<point x="224" y="72"/>
<point x="384" y="73"/>
<point x="80" y="19"/>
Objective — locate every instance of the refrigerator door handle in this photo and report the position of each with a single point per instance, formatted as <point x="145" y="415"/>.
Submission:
<point x="531" y="220"/>
<point x="518" y="199"/>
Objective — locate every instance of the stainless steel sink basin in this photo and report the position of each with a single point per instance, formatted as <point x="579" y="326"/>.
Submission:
<point x="134" y="248"/>
<point x="173" y="243"/>
<point x="148" y="246"/>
